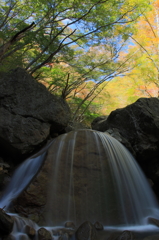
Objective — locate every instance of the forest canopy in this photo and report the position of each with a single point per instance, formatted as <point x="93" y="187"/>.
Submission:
<point x="73" y="47"/>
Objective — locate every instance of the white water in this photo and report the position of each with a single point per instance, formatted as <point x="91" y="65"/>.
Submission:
<point x="132" y="188"/>
<point x="21" y="178"/>
<point x="95" y="178"/>
<point x="112" y="190"/>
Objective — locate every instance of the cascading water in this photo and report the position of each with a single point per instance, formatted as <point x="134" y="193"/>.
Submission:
<point x="20" y="180"/>
<point x="94" y="177"/>
<point x="22" y="177"/>
<point x="91" y="177"/>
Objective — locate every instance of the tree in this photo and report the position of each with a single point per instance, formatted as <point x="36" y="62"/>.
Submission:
<point x="68" y="43"/>
<point x="145" y="51"/>
<point x="58" y="24"/>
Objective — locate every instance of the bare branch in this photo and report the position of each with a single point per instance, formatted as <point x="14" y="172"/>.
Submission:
<point x="150" y="25"/>
<point x="74" y="40"/>
<point x="145" y="50"/>
<point x="60" y="32"/>
<point x="7" y="14"/>
<point x="49" y="58"/>
<point x="64" y="91"/>
<point x="15" y="38"/>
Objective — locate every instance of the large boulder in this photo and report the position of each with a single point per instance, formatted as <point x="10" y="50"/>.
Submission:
<point x="29" y="114"/>
<point x="86" y="231"/>
<point x="44" y="234"/>
<point x="137" y="127"/>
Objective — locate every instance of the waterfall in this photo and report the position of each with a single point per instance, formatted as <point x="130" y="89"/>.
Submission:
<point x="22" y="177"/>
<point x="92" y="177"/>
<point x="95" y="178"/>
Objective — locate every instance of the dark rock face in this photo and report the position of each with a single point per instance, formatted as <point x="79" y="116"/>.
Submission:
<point x="137" y="126"/>
<point x="86" y="232"/>
<point x="70" y="225"/>
<point x="99" y="123"/>
<point x="6" y="223"/>
<point x="44" y="234"/>
<point x="29" y="114"/>
<point x="98" y="226"/>
<point x="153" y="221"/>
<point x="126" y="235"/>
<point x="30" y="231"/>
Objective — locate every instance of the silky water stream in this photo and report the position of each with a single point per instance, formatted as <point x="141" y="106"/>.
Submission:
<point x="91" y="177"/>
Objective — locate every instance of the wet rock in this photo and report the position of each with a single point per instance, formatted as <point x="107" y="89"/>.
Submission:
<point x="72" y="126"/>
<point x="64" y="232"/>
<point x="99" y="123"/>
<point x="4" y="166"/>
<point x="30" y="231"/>
<point x="9" y="237"/>
<point x="150" y="182"/>
<point x="44" y="234"/>
<point x="114" y="132"/>
<point x="126" y="235"/>
<point x="152" y="237"/>
<point x="64" y="236"/>
<point x="98" y="226"/>
<point x="29" y="113"/>
<point x="154" y="221"/>
<point x="86" y="232"/>
<point x="4" y="169"/>
<point x="113" y="236"/>
<point x="6" y="223"/>
<point x="70" y="225"/>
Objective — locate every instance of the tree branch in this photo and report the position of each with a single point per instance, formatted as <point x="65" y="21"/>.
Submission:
<point x="15" y="38"/>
